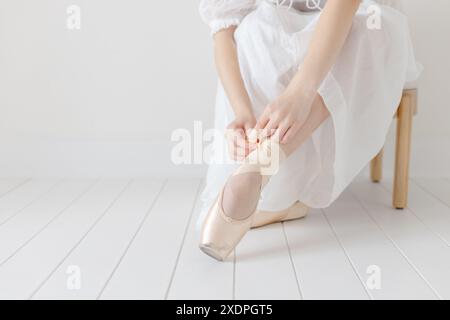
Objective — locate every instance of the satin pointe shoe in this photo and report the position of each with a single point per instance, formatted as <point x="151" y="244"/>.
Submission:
<point x="263" y="218"/>
<point x="221" y="234"/>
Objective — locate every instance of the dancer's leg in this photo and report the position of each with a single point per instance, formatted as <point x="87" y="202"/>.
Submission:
<point x="242" y="192"/>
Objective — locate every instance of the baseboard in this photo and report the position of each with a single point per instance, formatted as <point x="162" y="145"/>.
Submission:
<point x="92" y="160"/>
<point x="430" y="157"/>
<point x="81" y="159"/>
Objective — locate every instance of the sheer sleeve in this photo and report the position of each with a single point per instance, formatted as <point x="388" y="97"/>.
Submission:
<point x="222" y="14"/>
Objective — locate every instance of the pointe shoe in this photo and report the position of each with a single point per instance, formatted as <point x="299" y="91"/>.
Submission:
<point x="263" y="218"/>
<point x="220" y="233"/>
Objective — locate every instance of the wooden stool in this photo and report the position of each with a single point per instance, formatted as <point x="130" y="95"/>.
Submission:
<point x="405" y="114"/>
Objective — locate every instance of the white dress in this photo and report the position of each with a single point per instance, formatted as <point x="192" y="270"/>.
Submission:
<point x="362" y="93"/>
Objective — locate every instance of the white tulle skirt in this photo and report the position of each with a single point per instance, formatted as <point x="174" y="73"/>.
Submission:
<point x="362" y="93"/>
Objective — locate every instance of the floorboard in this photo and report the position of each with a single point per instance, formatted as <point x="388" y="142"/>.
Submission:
<point x="23" y="274"/>
<point x="123" y="239"/>
<point x="147" y="268"/>
<point x="197" y="276"/>
<point x="11" y="203"/>
<point x="425" y="251"/>
<point x="368" y="247"/>
<point x="433" y="213"/>
<point x="9" y="185"/>
<point x="102" y="249"/>
<point x="318" y="257"/>
<point x="264" y="268"/>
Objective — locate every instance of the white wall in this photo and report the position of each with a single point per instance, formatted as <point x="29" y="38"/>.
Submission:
<point x="430" y="30"/>
<point x="104" y="100"/>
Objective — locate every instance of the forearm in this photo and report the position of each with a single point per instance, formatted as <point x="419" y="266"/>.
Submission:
<point x="227" y="65"/>
<point x="328" y="39"/>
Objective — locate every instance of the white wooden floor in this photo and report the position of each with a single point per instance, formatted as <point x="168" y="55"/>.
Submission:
<point x="137" y="239"/>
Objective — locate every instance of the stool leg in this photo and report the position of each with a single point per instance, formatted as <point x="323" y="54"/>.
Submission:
<point x="403" y="148"/>
<point x="376" y="167"/>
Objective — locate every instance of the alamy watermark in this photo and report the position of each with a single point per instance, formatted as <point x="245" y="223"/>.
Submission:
<point x="73" y="20"/>
<point x="73" y="281"/>
<point x="374" y="280"/>
<point x="211" y="146"/>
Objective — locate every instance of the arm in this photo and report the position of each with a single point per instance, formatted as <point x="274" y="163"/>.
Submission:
<point x="227" y="66"/>
<point x="289" y="112"/>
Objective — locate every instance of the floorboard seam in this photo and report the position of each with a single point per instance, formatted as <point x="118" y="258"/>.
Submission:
<point x="81" y="239"/>
<point x="297" y="279"/>
<point x="58" y="214"/>
<point x="53" y="186"/>
<point x="430" y="193"/>
<point x="436" y="233"/>
<point x="186" y="228"/>
<point x="347" y="255"/>
<point x="367" y="211"/>
<point x="15" y="187"/>
<point x="130" y="243"/>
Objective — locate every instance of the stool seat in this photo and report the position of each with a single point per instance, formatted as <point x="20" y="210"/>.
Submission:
<point x="411" y="85"/>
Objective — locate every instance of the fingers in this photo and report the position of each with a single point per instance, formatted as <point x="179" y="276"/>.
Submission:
<point x="236" y="153"/>
<point x="242" y="141"/>
<point x="267" y="124"/>
<point x="253" y="137"/>
<point x="290" y="133"/>
<point x="263" y="120"/>
<point x="239" y="137"/>
<point x="238" y="145"/>
<point x="248" y="126"/>
<point x="270" y="128"/>
<point x="239" y="153"/>
<point x="282" y="130"/>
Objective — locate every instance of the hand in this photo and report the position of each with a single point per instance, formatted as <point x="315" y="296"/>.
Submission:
<point x="285" y="116"/>
<point x="237" y="133"/>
